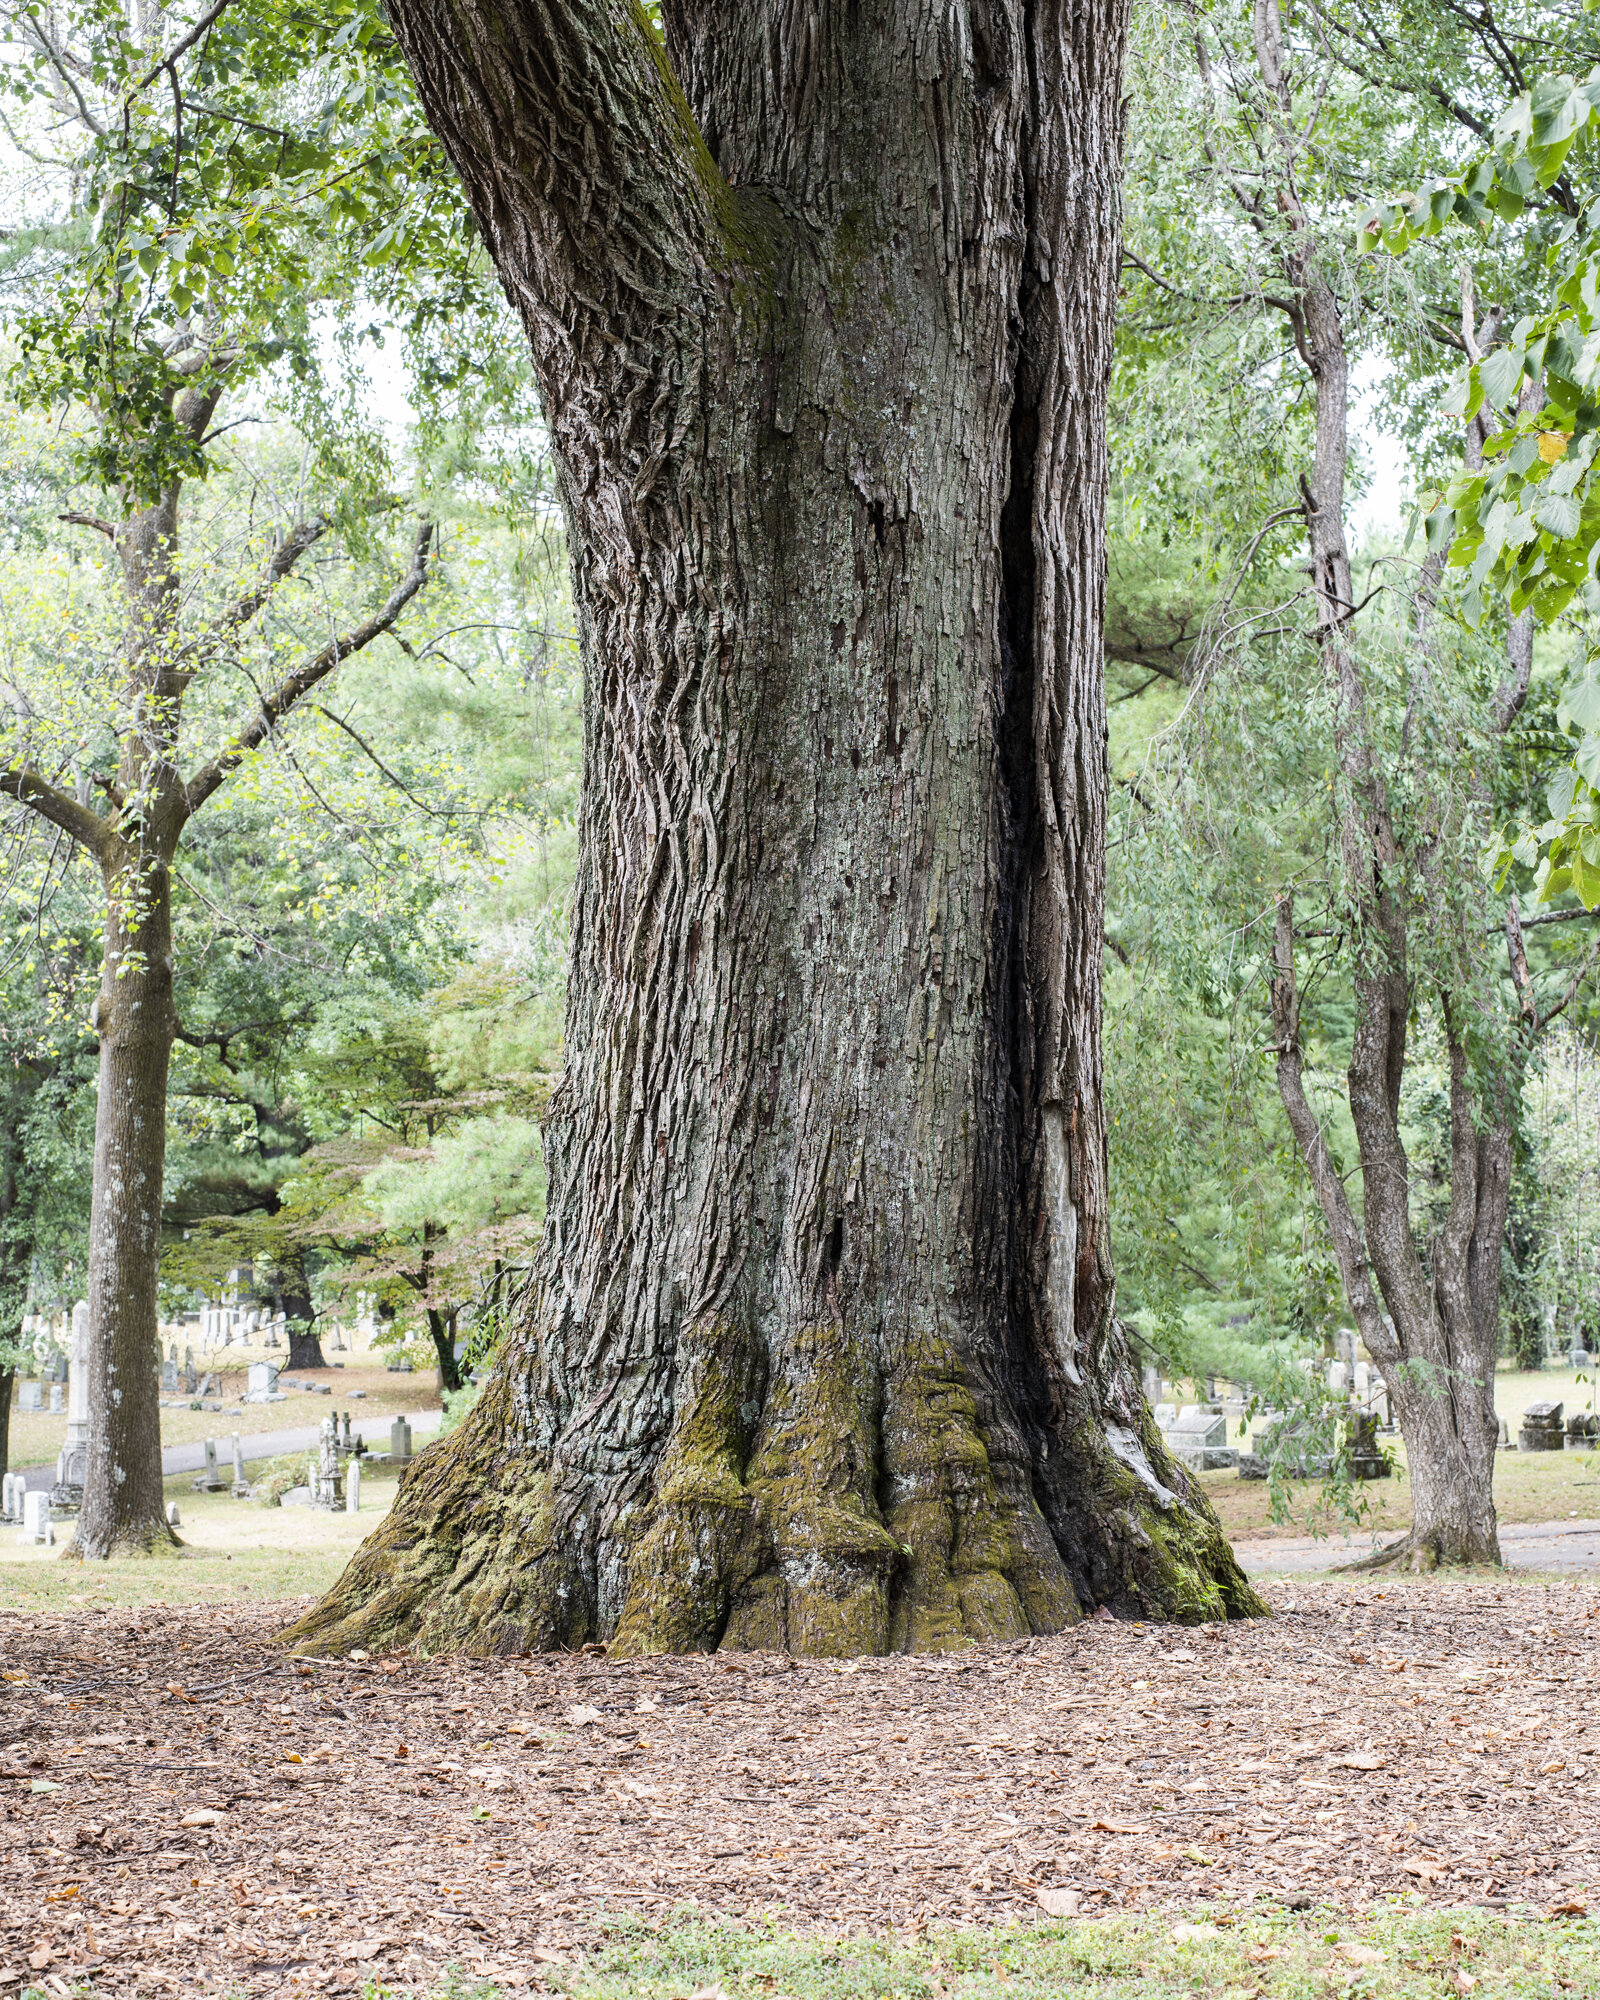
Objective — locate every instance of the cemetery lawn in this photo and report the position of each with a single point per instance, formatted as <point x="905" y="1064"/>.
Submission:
<point x="233" y="1550"/>
<point x="1398" y="1952"/>
<point x="1385" y="1790"/>
<point x="36" y="1440"/>
<point x="1529" y="1486"/>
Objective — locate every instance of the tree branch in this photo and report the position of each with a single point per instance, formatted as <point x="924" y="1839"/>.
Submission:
<point x="87" y="828"/>
<point x="306" y="676"/>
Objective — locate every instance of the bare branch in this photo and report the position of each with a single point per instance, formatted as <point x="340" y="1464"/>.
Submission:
<point x="305" y="677"/>
<point x="1348" y="1243"/>
<point x="89" y="521"/>
<point x="182" y="46"/>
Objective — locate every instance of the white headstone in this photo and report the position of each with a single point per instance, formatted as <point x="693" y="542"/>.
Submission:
<point x="36" y="1523"/>
<point x="1338" y="1378"/>
<point x="57" y="1401"/>
<point x="400" y="1439"/>
<point x="30" y="1396"/>
<point x="172" y="1514"/>
<point x="352" y="1487"/>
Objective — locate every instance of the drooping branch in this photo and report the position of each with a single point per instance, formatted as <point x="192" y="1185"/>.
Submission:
<point x="1349" y="1247"/>
<point x="294" y="686"/>
<point x="302" y="536"/>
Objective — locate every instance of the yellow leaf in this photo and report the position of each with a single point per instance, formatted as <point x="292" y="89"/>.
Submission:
<point x="1553" y="445"/>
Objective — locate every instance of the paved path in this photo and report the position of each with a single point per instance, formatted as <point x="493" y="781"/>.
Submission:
<point x="177" y="1458"/>
<point x="1572" y="1547"/>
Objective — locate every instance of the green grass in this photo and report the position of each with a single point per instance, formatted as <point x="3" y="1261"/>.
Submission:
<point x="1398" y="1952"/>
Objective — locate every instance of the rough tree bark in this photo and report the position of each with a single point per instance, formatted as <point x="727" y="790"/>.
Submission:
<point x="820" y="1349"/>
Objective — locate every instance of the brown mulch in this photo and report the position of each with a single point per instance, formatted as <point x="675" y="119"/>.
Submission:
<point x="1373" y="1738"/>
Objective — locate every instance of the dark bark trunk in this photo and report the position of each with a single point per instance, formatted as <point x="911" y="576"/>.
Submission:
<point x="8" y="1377"/>
<point x="441" y="1328"/>
<point x="124" y="1508"/>
<point x="820" y="1350"/>
<point x="292" y="1297"/>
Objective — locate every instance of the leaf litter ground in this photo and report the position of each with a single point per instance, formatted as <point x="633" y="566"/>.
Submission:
<point x="189" y="1809"/>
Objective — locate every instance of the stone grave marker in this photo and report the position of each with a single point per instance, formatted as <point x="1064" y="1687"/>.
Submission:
<point x="1200" y="1439"/>
<point x="169" y="1378"/>
<point x="325" y="1492"/>
<point x="352" y="1487"/>
<point x="188" y="1371"/>
<point x="264" y="1384"/>
<point x="210" y="1479"/>
<point x="57" y="1399"/>
<point x="400" y="1441"/>
<point x="241" y="1485"/>
<point x="1541" y="1428"/>
<point x="36" y="1523"/>
<point x="30" y="1397"/>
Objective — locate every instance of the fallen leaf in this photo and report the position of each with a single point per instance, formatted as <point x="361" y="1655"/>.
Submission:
<point x="43" y="1785"/>
<point x="1057" y="1902"/>
<point x="1425" y="1871"/>
<point x="1570" y="1910"/>
<point x="581" y="1713"/>
<point x="1363" y="1954"/>
<point x="61" y="1895"/>
<point x="1360" y="1760"/>
<point x="363" y="1949"/>
<point x="41" y="1954"/>
<point x="204" y="1816"/>
<point x="1193" y="1933"/>
<point x="12" y="1674"/>
<point x="1200" y="1860"/>
<point x="1263" y="1954"/>
<point x="1463" y="1982"/>
<point x="1114" y="1826"/>
<point x="292" y="1757"/>
<point x="1545" y="1770"/>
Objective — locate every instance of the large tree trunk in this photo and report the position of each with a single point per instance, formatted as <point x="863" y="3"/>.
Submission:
<point x="820" y="1351"/>
<point x="124" y="1509"/>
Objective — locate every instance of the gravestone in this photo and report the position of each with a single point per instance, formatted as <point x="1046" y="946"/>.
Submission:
<point x="344" y="1431"/>
<point x="352" y="1487"/>
<point x="188" y="1371"/>
<point x="1338" y="1378"/>
<point x="1200" y="1439"/>
<point x="400" y="1441"/>
<point x="264" y="1384"/>
<point x="12" y="1488"/>
<point x="1580" y="1357"/>
<point x="172" y="1514"/>
<point x="241" y="1485"/>
<point x="210" y="1479"/>
<point x="1541" y="1428"/>
<point x="57" y="1399"/>
<point x="1362" y="1454"/>
<point x="36" y="1523"/>
<point x="325" y="1493"/>
<point x="1150" y="1380"/>
<point x="169" y="1378"/>
<point x="1503" y="1442"/>
<point x="207" y="1387"/>
<point x="1583" y="1430"/>
<point x="73" y="1462"/>
<point x="30" y="1397"/>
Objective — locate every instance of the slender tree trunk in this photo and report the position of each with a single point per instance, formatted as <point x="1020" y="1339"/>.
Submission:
<point x="124" y="1508"/>
<point x="8" y="1377"/>
<point x="820" y="1351"/>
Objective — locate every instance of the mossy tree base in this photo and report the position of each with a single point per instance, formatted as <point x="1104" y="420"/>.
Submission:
<point x="767" y="1530"/>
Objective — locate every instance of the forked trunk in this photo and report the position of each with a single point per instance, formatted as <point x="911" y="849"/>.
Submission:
<point x="820" y="1352"/>
<point x="124" y="1509"/>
